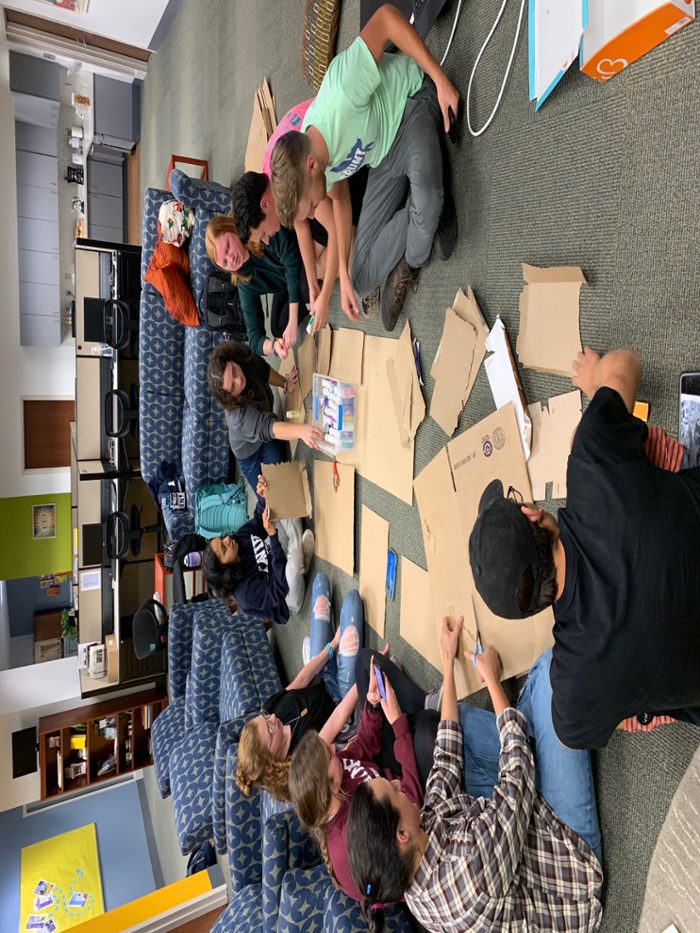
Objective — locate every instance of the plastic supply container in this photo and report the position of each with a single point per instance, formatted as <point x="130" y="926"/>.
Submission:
<point x="334" y="413"/>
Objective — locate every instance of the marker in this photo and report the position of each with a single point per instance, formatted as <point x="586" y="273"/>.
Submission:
<point x="310" y="325"/>
<point x="416" y="356"/>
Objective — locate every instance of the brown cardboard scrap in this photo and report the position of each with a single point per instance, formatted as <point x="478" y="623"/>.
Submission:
<point x="409" y="404"/>
<point x="346" y="360"/>
<point x="447" y="559"/>
<point x="307" y="364"/>
<point x="288" y="494"/>
<point x="325" y="336"/>
<point x="291" y="401"/>
<point x="452" y="371"/>
<point x="505" y="382"/>
<point x="490" y="450"/>
<point x="378" y="454"/>
<point x="334" y="515"/>
<point x="418" y="623"/>
<point x="467" y="308"/>
<point x="262" y="126"/>
<point x="374" y="547"/>
<point x="552" y="431"/>
<point x="549" y="337"/>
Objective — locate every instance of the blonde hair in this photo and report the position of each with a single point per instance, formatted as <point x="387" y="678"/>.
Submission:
<point x="311" y="791"/>
<point x="218" y="226"/>
<point x="289" y="179"/>
<point x="257" y="767"/>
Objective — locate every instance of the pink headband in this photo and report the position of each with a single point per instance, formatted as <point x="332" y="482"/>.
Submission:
<point x="377" y="906"/>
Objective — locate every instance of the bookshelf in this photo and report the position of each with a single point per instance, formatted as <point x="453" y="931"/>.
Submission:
<point x="81" y="747"/>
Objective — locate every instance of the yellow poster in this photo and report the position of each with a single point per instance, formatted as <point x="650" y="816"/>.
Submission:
<point x="59" y="883"/>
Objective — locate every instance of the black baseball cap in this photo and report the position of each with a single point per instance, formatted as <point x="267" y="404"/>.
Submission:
<point x="501" y="548"/>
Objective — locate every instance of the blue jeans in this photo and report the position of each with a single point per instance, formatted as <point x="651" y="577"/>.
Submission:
<point x="563" y="776"/>
<point x="339" y="673"/>
<point x="268" y="452"/>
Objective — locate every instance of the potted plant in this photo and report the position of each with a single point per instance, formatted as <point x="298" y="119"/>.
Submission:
<point x="69" y="631"/>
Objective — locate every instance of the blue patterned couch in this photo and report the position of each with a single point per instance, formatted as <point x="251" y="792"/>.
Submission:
<point x="178" y="418"/>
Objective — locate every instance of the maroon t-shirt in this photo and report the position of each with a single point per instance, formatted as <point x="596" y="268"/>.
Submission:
<point x="358" y="761"/>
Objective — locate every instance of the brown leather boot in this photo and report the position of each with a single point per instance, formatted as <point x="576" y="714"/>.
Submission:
<point x="395" y="291"/>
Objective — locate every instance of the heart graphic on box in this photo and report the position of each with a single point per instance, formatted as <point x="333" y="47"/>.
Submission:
<point x="607" y="68"/>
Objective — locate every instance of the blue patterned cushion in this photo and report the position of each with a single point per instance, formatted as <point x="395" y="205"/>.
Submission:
<point x="344" y="915"/>
<point x="161" y="346"/>
<point x="285" y="845"/>
<point x="303" y="900"/>
<point x="191" y="773"/>
<point x="243" y="914"/>
<point x="168" y="730"/>
<point x="270" y="805"/>
<point x="206" y="198"/>
<point x="199" y="342"/>
<point x="202" y="689"/>
<point x="227" y="734"/>
<point x="205" y="452"/>
<point x="248" y="672"/>
<point x="152" y="201"/>
<point x="180" y="624"/>
<point x="243" y="829"/>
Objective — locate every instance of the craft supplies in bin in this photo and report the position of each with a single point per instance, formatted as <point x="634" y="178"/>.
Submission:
<point x="334" y="413"/>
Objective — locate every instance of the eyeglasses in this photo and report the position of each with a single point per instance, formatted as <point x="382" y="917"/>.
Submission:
<point x="271" y="727"/>
<point x="514" y="496"/>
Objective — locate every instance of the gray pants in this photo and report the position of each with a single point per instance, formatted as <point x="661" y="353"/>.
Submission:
<point x="393" y="226"/>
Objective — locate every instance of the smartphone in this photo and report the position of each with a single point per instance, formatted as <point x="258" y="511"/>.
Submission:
<point x="689" y="411"/>
<point x="380" y="682"/>
<point x="391" y="573"/>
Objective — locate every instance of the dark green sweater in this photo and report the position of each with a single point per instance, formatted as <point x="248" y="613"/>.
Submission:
<point x="275" y="272"/>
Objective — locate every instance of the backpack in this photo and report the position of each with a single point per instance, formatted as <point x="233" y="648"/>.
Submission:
<point x="220" y="307"/>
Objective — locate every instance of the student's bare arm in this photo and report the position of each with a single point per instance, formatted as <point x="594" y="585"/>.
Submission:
<point x="342" y="214"/>
<point x="388" y="25"/>
<point x="620" y="370"/>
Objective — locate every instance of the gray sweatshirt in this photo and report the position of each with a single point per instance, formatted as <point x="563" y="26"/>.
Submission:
<point x="251" y="425"/>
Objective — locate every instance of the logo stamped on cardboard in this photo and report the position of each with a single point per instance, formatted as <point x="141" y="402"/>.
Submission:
<point x="486" y="446"/>
<point x="499" y="438"/>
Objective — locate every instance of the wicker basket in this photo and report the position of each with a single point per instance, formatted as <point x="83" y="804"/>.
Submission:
<point x="318" y="41"/>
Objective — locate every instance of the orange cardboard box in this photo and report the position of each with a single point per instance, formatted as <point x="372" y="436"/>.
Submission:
<point x="621" y="31"/>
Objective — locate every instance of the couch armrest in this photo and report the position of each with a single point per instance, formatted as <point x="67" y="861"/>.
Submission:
<point x="200" y="194"/>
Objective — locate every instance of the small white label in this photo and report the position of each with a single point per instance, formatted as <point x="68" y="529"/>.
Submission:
<point x="679" y="25"/>
<point x="90" y="580"/>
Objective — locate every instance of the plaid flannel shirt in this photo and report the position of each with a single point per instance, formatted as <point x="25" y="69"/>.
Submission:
<point x="505" y="864"/>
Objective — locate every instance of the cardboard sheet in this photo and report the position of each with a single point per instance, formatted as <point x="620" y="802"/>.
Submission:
<point x="505" y="382"/>
<point x="262" y="126"/>
<point x="552" y="430"/>
<point x="325" y="337"/>
<point x="346" y="359"/>
<point x="452" y="371"/>
<point x="334" y="515"/>
<point x="307" y="364"/>
<point x="288" y="494"/>
<point x="488" y="451"/>
<point x="291" y="401"/>
<point x="549" y="337"/>
<point x="406" y="393"/>
<point x="418" y="623"/>
<point x="374" y="546"/>
<point x="378" y="454"/>
<point x="468" y="309"/>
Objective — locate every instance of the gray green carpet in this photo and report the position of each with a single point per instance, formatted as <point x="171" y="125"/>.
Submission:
<point x="605" y="177"/>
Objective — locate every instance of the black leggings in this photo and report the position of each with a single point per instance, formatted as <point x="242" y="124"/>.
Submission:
<point x="423" y="722"/>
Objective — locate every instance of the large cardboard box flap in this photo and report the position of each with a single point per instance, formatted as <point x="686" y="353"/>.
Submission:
<point x="418" y="624"/>
<point x="288" y="494"/>
<point x="307" y="364"/>
<point x="292" y="402"/>
<point x="346" y="359"/>
<point x="325" y="339"/>
<point x="505" y="382"/>
<point x="262" y="126"/>
<point x="549" y="337"/>
<point x="553" y="427"/>
<point x="452" y="371"/>
<point x="466" y="307"/>
<point x="334" y="515"/>
<point x="621" y="31"/>
<point x="406" y="394"/>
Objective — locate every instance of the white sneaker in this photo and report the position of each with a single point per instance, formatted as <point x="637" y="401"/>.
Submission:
<point x="306" y="650"/>
<point x="308" y="545"/>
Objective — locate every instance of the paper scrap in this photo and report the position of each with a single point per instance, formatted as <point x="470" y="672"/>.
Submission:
<point x="291" y="401"/>
<point x="418" y="625"/>
<point x="374" y="547"/>
<point x="288" y="494"/>
<point x="307" y="364"/>
<point x="552" y="430"/>
<point x="378" y="454"/>
<point x="346" y="359"/>
<point x="325" y="336"/>
<point x="549" y="337"/>
<point x="467" y="308"/>
<point x="452" y="371"/>
<point x="334" y="515"/>
<point x="262" y="126"/>
<point x="505" y="382"/>
<point x="406" y="393"/>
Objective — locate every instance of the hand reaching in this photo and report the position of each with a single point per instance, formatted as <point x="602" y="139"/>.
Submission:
<point x="279" y="348"/>
<point x="268" y="524"/>
<point x="488" y="664"/>
<point x="585" y="368"/>
<point x="292" y="379"/>
<point x="262" y="486"/>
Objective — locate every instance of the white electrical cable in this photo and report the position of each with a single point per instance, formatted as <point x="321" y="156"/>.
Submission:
<point x="478" y="58"/>
<point x="452" y="34"/>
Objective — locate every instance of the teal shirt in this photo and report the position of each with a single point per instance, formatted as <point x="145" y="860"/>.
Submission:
<point x="277" y="271"/>
<point x="359" y="107"/>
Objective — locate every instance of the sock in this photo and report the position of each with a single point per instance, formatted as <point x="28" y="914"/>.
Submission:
<point x="413" y="269"/>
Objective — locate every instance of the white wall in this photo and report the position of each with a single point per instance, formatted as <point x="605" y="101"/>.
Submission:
<point x="129" y="21"/>
<point x="24" y="371"/>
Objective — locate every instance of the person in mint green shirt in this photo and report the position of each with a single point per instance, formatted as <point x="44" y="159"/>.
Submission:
<point x="387" y="111"/>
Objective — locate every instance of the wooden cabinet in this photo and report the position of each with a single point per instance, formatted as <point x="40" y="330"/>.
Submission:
<point x="81" y="747"/>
